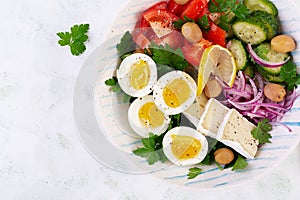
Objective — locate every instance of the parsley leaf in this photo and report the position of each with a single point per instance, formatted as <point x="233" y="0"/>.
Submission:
<point x="115" y="87"/>
<point x="75" y="39"/>
<point x="203" y="23"/>
<point x="288" y="73"/>
<point x="261" y="132"/>
<point x="111" y="81"/>
<point x="126" y="45"/>
<point x="227" y="7"/>
<point x="152" y="149"/>
<point x="194" y="172"/>
<point x="240" y="163"/>
<point x="166" y="55"/>
<point x="179" y="23"/>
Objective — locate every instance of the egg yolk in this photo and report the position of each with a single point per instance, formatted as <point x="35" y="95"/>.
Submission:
<point x="150" y="115"/>
<point x="185" y="147"/>
<point x="139" y="74"/>
<point x="176" y="92"/>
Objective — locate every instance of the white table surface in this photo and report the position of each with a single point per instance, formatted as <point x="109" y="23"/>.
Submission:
<point x="41" y="156"/>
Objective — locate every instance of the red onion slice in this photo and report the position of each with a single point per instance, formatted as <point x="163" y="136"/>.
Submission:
<point x="263" y="62"/>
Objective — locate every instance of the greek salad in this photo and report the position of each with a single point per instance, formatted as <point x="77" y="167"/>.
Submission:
<point x="206" y="80"/>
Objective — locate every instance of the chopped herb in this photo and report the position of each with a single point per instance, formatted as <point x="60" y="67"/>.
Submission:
<point x="179" y="23"/>
<point x="75" y="39"/>
<point x="152" y="149"/>
<point x="115" y="87"/>
<point x="240" y="163"/>
<point x="288" y="73"/>
<point x="194" y="172"/>
<point x="203" y="23"/>
<point x="166" y="55"/>
<point x="261" y="132"/>
<point x="175" y="121"/>
<point x="229" y="6"/>
<point x="126" y="45"/>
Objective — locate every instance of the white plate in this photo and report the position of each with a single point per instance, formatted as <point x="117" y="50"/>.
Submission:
<point x="102" y="125"/>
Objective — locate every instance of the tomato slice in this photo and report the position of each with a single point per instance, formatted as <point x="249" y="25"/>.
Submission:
<point x="175" y="8"/>
<point x="161" y="21"/>
<point x="193" y="8"/>
<point x="215" y="34"/>
<point x="159" y="5"/>
<point x="193" y="52"/>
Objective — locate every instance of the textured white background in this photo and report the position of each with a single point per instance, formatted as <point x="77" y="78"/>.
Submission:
<point x="41" y="156"/>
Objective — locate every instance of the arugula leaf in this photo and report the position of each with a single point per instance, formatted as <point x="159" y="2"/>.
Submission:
<point x="75" y="39"/>
<point x="152" y="149"/>
<point x="261" y="132"/>
<point x="240" y="163"/>
<point x="288" y="73"/>
<point x="194" y="172"/>
<point x="179" y="23"/>
<point x="203" y="23"/>
<point x="166" y="55"/>
<point x="126" y="45"/>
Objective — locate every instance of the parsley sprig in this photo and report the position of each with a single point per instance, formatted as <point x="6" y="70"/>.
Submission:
<point x="152" y="149"/>
<point x="261" y="132"/>
<point x="194" y="172"/>
<point x="288" y="73"/>
<point x="75" y="39"/>
<point x="115" y="87"/>
<point x="226" y="7"/>
<point x="239" y="164"/>
<point x="166" y="55"/>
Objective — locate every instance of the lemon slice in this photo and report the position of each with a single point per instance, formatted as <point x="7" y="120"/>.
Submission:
<point x="218" y="61"/>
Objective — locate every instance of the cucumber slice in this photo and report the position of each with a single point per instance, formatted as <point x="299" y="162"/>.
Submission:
<point x="250" y="31"/>
<point x="265" y="51"/>
<point x="264" y="5"/>
<point x="249" y="70"/>
<point x="239" y="53"/>
<point x="271" y="23"/>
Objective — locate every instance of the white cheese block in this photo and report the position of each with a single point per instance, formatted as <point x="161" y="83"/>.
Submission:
<point x="194" y="112"/>
<point x="212" y="117"/>
<point x="158" y="30"/>
<point x="235" y="132"/>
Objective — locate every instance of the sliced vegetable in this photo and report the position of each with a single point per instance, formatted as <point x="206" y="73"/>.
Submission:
<point x="175" y="8"/>
<point x="239" y="53"/>
<point x="270" y="22"/>
<point x="250" y="31"/>
<point x="215" y="34"/>
<point x="264" y="5"/>
<point x="193" y="8"/>
<point x="266" y="63"/>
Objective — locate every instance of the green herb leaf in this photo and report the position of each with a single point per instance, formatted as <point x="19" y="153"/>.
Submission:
<point x="179" y="23"/>
<point x="203" y="22"/>
<point x="165" y="55"/>
<point x="240" y="163"/>
<point x="288" y="73"/>
<point x="152" y="149"/>
<point x="261" y="132"/>
<point x="126" y="45"/>
<point x="194" y="172"/>
<point x="75" y="39"/>
<point x="111" y="81"/>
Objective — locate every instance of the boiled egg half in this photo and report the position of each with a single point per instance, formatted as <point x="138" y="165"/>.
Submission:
<point x="145" y="117"/>
<point x="174" y="92"/>
<point x="185" y="146"/>
<point x="137" y="75"/>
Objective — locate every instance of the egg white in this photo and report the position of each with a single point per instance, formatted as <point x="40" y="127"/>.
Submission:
<point x="162" y="83"/>
<point x="135" y="122"/>
<point x="184" y="131"/>
<point x="123" y="75"/>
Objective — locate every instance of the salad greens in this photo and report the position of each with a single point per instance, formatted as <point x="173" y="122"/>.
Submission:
<point x="261" y="132"/>
<point x="288" y="73"/>
<point x="126" y="45"/>
<point x="194" y="172"/>
<point x="75" y="39"/>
